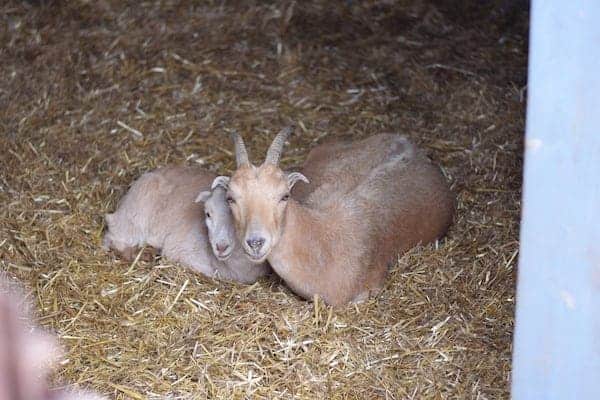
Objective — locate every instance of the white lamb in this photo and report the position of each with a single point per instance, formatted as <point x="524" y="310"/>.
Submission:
<point x="162" y="209"/>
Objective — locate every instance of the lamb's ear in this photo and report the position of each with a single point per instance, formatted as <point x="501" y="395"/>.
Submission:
<point x="220" y="181"/>
<point x="294" y="177"/>
<point x="202" y="197"/>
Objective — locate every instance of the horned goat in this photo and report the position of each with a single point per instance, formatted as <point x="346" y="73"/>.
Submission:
<point x="365" y="209"/>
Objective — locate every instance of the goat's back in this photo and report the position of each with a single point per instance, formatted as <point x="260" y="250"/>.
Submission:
<point x="336" y="168"/>
<point x="399" y="197"/>
<point x="162" y="201"/>
<point x="405" y="201"/>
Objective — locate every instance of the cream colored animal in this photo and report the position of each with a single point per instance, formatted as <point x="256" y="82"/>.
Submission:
<point x="361" y="213"/>
<point x="160" y="210"/>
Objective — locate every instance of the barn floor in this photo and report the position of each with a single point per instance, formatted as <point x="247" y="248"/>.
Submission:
<point x="92" y="94"/>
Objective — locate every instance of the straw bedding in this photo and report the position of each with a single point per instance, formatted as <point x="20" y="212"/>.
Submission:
<point x="92" y="94"/>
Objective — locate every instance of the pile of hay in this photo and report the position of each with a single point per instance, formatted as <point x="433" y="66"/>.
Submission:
<point x="92" y="94"/>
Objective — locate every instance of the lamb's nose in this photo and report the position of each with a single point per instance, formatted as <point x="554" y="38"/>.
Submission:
<point x="222" y="247"/>
<point x="255" y="243"/>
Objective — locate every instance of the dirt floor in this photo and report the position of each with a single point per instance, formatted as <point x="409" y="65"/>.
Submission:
<point x="92" y="94"/>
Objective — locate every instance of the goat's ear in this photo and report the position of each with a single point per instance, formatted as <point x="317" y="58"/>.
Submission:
<point x="202" y="197"/>
<point x="109" y="219"/>
<point x="220" y="181"/>
<point x="294" y="177"/>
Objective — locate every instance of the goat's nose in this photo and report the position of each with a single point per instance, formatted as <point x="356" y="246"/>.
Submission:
<point x="255" y="243"/>
<point x="222" y="247"/>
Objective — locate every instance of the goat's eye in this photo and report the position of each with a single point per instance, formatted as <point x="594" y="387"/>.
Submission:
<point x="285" y="197"/>
<point x="207" y="214"/>
<point x="230" y="200"/>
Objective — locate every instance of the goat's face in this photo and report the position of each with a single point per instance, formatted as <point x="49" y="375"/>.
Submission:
<point x="258" y="197"/>
<point x="221" y="232"/>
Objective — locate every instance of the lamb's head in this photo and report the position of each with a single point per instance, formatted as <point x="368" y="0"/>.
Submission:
<point x="258" y="197"/>
<point x="221" y="232"/>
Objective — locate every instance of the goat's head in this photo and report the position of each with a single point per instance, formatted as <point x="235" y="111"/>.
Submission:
<point x="258" y="197"/>
<point x="221" y="232"/>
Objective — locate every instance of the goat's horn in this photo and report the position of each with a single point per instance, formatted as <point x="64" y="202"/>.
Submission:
<point x="241" y="155"/>
<point x="274" y="151"/>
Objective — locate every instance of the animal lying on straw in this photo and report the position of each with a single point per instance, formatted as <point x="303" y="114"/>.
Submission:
<point x="161" y="210"/>
<point x="368" y="206"/>
<point x="27" y="355"/>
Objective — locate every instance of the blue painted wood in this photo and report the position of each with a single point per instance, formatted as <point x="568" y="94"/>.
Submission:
<point x="557" y="336"/>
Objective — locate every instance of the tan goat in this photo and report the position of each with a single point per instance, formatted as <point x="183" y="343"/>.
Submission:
<point x="160" y="210"/>
<point x="363" y="211"/>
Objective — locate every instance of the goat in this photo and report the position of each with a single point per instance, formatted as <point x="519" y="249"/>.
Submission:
<point x="337" y="243"/>
<point x="161" y="210"/>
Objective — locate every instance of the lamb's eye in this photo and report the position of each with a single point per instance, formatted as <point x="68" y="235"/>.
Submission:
<point x="207" y="214"/>
<point x="285" y="197"/>
<point x="230" y="200"/>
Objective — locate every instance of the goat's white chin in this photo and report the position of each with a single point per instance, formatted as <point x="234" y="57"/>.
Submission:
<point x="257" y="258"/>
<point x="223" y="257"/>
